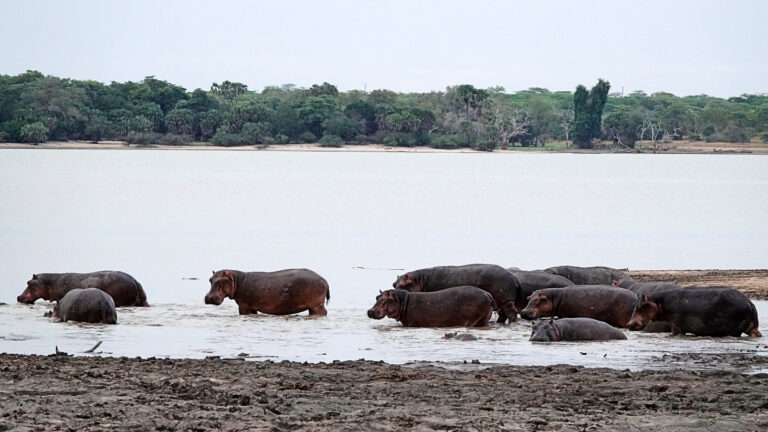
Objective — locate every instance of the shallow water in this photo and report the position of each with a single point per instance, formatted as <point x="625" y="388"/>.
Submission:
<point x="198" y="331"/>
<point x="359" y="219"/>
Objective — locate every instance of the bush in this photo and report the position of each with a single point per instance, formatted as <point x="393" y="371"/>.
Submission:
<point x="267" y="140"/>
<point x="282" y="139"/>
<point x="34" y="133"/>
<point x="225" y="139"/>
<point x="446" y="141"/>
<point x="4" y="136"/>
<point x="486" y="145"/>
<point x="397" y="139"/>
<point x="175" y="139"/>
<point x="308" y="137"/>
<point x="143" y="138"/>
<point x="736" y="134"/>
<point x="764" y="137"/>
<point x="331" y="141"/>
<point x="341" y="126"/>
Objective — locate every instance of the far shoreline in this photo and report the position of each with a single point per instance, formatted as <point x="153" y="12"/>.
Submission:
<point x="679" y="147"/>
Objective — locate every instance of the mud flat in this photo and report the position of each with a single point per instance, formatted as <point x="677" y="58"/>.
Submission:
<point x="92" y="393"/>
<point x="753" y="283"/>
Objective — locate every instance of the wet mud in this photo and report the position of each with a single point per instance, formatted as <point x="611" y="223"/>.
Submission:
<point x="81" y="393"/>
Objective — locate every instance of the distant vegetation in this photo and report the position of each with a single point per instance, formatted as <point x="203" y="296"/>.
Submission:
<point x="35" y="108"/>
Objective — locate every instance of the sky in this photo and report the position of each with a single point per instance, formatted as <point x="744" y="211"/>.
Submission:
<point x="718" y="48"/>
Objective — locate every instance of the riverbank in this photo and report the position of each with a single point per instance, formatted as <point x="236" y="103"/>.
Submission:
<point x="92" y="393"/>
<point x="675" y="147"/>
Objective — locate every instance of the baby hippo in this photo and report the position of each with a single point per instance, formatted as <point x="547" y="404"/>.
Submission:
<point x="574" y="329"/>
<point x="90" y="305"/>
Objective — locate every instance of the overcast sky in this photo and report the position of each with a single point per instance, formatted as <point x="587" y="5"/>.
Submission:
<point x="684" y="47"/>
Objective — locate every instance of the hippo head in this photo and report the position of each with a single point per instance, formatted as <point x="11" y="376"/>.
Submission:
<point x="222" y="285"/>
<point x="406" y="282"/>
<point x="36" y="288"/>
<point x="545" y="331"/>
<point x="624" y="283"/>
<point x="539" y="305"/>
<point x="387" y="305"/>
<point x="645" y="311"/>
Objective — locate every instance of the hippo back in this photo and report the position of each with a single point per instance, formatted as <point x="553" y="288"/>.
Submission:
<point x="90" y="305"/>
<point x="598" y="275"/>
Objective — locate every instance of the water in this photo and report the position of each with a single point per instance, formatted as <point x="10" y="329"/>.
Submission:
<point x="359" y="219"/>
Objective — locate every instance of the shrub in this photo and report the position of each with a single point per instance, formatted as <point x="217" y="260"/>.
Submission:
<point x="399" y="139"/>
<point x="764" y="137"/>
<point x="226" y="139"/>
<point x="34" y="133"/>
<point x="175" y="139"/>
<point x="282" y="139"/>
<point x="331" y="141"/>
<point x="308" y="137"/>
<point x="446" y="141"/>
<point x="486" y="145"/>
<point x="341" y="126"/>
<point x="267" y="140"/>
<point x="143" y="138"/>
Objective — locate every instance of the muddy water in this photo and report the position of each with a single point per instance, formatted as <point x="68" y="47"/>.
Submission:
<point x="198" y="331"/>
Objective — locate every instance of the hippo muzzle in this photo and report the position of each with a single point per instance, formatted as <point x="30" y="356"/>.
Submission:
<point x="527" y="314"/>
<point x="635" y="325"/>
<point x="25" y="299"/>
<point x="375" y="313"/>
<point x="214" y="300"/>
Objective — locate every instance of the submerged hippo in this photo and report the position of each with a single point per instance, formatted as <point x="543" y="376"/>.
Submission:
<point x="282" y="292"/>
<point x="588" y="275"/>
<point x="574" y="329"/>
<point x="702" y="311"/>
<point x="90" y="305"/>
<point x="122" y="287"/>
<point x="640" y="288"/>
<point x="605" y="303"/>
<point x="531" y="281"/>
<point x="462" y="306"/>
<point x="497" y="281"/>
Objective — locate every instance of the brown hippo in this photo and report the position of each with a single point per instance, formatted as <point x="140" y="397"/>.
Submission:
<point x="282" y="292"/>
<point x="461" y="306"/>
<point x="703" y="311"/>
<point x="589" y="275"/>
<point x="122" y="287"/>
<point x="640" y="288"/>
<point x="605" y="303"/>
<point x="531" y="281"/>
<point x="497" y="281"/>
<point x="90" y="305"/>
<point x="574" y="329"/>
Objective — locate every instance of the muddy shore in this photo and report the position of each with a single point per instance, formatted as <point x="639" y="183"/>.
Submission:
<point x="80" y="393"/>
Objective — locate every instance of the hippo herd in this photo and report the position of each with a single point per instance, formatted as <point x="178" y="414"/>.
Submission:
<point x="590" y="303"/>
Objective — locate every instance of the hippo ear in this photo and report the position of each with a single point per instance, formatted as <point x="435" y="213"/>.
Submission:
<point x="644" y="298"/>
<point x="615" y="283"/>
<point x="213" y="271"/>
<point x="380" y="292"/>
<point x="552" y="321"/>
<point x="34" y="276"/>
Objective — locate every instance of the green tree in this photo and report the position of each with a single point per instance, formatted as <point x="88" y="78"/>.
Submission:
<point x="341" y="126"/>
<point x="588" y="112"/>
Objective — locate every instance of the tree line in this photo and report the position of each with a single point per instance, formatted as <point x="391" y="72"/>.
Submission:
<point x="36" y="108"/>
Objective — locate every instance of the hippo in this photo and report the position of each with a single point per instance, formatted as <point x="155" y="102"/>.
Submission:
<point x="605" y="303"/>
<point x="464" y="337"/>
<point x="90" y="305"/>
<point x="497" y="281"/>
<point x="281" y="292"/>
<point x="461" y="306"/>
<point x="531" y="281"/>
<point x="701" y="311"/>
<point x="574" y="329"/>
<point x="640" y="288"/>
<point x="124" y="289"/>
<point x="588" y="275"/>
